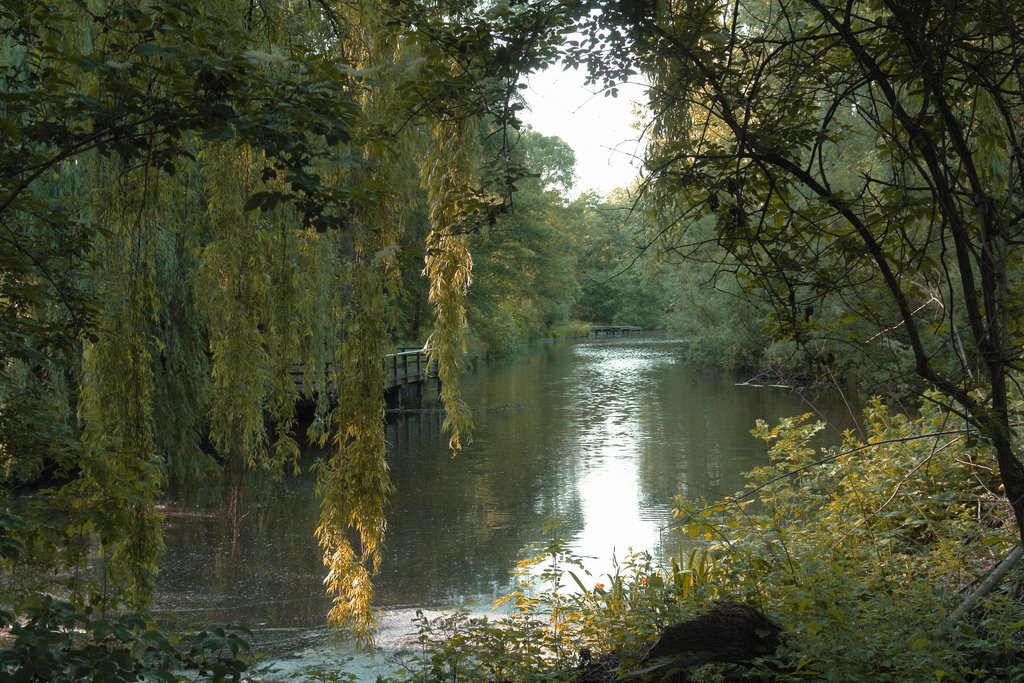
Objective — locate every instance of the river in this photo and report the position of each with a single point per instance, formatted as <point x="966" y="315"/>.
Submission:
<point x="601" y="434"/>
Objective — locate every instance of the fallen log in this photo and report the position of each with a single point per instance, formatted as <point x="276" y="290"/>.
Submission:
<point x="990" y="582"/>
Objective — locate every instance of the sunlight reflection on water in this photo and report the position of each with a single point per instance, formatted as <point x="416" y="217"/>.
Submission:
<point x="609" y="400"/>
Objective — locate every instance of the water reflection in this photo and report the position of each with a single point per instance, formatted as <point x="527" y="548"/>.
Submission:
<point x="601" y="433"/>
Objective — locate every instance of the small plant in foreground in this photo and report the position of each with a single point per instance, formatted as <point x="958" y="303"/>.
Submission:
<point x="53" y="642"/>
<point x="556" y="622"/>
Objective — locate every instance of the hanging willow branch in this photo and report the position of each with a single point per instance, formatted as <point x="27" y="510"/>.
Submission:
<point x="449" y="266"/>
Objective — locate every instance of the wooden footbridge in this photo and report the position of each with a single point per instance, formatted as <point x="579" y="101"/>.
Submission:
<point x="403" y="368"/>
<point x="408" y="366"/>
<point x="614" y="330"/>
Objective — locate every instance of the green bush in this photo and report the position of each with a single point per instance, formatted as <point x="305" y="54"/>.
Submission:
<point x="573" y="329"/>
<point x="54" y="642"/>
<point x="863" y="550"/>
<point x="556" y="622"/>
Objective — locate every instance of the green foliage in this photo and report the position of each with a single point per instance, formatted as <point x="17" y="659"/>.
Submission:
<point x="524" y="263"/>
<point x="723" y="327"/>
<point x="860" y="551"/>
<point x="550" y="260"/>
<point x="620" y="282"/>
<point x="181" y="366"/>
<point x="108" y="111"/>
<point x="54" y="642"/>
<point x="573" y="329"/>
<point x="454" y="205"/>
<point x="326" y="674"/>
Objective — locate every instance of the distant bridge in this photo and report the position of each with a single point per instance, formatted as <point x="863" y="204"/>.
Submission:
<point x="614" y="330"/>
<point x="408" y="366"/>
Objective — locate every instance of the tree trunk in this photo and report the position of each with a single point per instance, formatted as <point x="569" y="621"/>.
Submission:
<point x="1012" y="474"/>
<point x="1011" y="471"/>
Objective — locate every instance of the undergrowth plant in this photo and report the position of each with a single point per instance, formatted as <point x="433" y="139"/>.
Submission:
<point x="51" y="641"/>
<point x="44" y="639"/>
<point x="556" y="621"/>
<point x="863" y="550"/>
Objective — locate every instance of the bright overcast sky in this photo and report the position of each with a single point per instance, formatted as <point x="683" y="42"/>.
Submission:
<point x="600" y="129"/>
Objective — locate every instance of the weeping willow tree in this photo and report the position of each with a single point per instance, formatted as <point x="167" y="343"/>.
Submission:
<point x="152" y="123"/>
<point x="194" y="197"/>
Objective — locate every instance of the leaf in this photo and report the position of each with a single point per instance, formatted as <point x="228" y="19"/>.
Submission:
<point x="576" y="579"/>
<point x="919" y="644"/>
<point x="260" y="57"/>
<point x="148" y="49"/>
<point x="265" y="201"/>
<point x="13" y="134"/>
<point x="716" y="37"/>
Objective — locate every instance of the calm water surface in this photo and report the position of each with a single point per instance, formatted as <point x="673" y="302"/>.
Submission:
<point x="600" y="433"/>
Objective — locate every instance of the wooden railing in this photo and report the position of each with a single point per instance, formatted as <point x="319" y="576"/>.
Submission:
<point x="612" y="330"/>
<point x="406" y="366"/>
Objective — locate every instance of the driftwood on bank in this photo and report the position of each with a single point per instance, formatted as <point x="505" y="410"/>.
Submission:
<point x="990" y="582"/>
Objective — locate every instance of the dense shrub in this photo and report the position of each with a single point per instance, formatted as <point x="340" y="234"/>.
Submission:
<point x="863" y="550"/>
<point x="52" y="642"/>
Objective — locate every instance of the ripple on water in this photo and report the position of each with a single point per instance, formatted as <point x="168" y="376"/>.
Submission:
<point x="313" y="649"/>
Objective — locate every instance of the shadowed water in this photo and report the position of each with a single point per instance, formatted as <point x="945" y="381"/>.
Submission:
<point x="601" y="433"/>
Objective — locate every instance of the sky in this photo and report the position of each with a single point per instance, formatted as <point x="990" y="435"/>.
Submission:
<point x="600" y="129"/>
